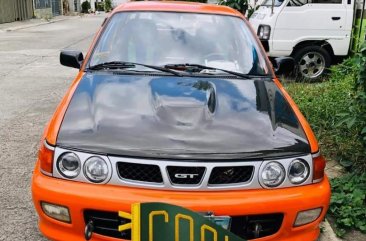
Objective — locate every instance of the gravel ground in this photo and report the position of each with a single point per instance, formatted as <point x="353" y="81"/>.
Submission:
<point x="32" y="82"/>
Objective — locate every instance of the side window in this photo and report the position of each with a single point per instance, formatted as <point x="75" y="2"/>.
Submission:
<point x="326" y="1"/>
<point x="297" y="3"/>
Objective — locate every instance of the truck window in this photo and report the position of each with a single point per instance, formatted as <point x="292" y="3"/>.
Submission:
<point x="297" y="3"/>
<point x="326" y="1"/>
<point x="277" y="3"/>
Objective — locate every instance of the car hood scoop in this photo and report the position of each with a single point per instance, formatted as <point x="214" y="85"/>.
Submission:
<point x="183" y="103"/>
<point x="180" y="117"/>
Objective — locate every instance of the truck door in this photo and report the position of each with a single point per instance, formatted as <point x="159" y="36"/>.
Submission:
<point x="302" y="20"/>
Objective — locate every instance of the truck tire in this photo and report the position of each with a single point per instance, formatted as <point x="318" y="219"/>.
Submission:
<point x="312" y="62"/>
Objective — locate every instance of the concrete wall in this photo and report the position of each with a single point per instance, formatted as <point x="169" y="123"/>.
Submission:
<point x="43" y="13"/>
<point x="42" y="9"/>
<point x="72" y="6"/>
<point x="69" y="7"/>
<point x="15" y="10"/>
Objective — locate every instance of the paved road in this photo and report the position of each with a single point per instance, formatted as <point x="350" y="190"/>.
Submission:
<point x="32" y="82"/>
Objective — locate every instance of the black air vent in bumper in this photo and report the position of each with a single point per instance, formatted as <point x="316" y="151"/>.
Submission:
<point x="106" y="223"/>
<point x="256" y="226"/>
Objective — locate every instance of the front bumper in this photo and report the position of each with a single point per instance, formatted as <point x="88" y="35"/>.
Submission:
<point x="80" y="196"/>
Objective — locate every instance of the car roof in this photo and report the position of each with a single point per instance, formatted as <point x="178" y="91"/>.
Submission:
<point x="176" y="6"/>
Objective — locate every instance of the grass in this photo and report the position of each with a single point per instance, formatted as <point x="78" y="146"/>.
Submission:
<point x="321" y="103"/>
<point x="348" y="203"/>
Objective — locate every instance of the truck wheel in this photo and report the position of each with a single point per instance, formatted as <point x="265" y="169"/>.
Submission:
<point x="312" y="62"/>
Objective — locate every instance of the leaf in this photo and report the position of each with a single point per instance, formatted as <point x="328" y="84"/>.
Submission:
<point x="346" y="163"/>
<point x="363" y="130"/>
<point x="351" y="122"/>
<point x="342" y="114"/>
<point x="362" y="228"/>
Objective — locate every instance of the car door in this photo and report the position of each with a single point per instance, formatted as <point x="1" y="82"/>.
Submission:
<point x="303" y="20"/>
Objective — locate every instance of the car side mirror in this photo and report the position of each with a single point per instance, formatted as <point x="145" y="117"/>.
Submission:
<point x="284" y="65"/>
<point x="71" y="58"/>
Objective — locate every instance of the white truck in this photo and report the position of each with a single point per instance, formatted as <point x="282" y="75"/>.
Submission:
<point x="313" y="32"/>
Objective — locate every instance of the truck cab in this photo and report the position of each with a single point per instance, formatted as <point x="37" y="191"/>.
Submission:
<point x="314" y="32"/>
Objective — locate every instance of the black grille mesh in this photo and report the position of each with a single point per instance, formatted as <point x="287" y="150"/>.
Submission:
<point x="229" y="175"/>
<point x="256" y="226"/>
<point x="139" y="172"/>
<point x="106" y="223"/>
<point x="180" y="175"/>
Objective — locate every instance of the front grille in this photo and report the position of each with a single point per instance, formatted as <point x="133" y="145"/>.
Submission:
<point x="247" y="227"/>
<point x="139" y="172"/>
<point x="106" y="223"/>
<point x="256" y="226"/>
<point x="231" y="175"/>
<point x="184" y="175"/>
<point x="181" y="175"/>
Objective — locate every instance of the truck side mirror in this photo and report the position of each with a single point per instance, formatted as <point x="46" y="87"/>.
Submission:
<point x="283" y="65"/>
<point x="71" y="58"/>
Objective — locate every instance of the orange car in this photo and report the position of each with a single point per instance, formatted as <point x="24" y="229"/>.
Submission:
<point x="178" y="103"/>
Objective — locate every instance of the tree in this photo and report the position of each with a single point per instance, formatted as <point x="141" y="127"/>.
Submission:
<point x="240" y="5"/>
<point x="107" y="5"/>
<point x="85" y="6"/>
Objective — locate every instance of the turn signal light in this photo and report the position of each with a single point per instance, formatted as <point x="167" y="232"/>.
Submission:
<point x="57" y="212"/>
<point x="319" y="167"/>
<point x="308" y="216"/>
<point x="45" y="156"/>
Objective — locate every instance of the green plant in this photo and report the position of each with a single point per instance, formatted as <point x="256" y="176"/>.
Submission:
<point x="360" y="94"/>
<point x="240" y="5"/>
<point x="347" y="69"/>
<point x="321" y="103"/>
<point x="354" y="118"/>
<point x="107" y="5"/>
<point x="85" y="6"/>
<point x="348" y="203"/>
<point x="251" y="10"/>
<point x="99" y="6"/>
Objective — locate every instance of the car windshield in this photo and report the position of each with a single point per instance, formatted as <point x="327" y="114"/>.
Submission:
<point x="277" y="3"/>
<point x="161" y="38"/>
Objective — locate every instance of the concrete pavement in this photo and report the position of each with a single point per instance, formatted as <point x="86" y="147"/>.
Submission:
<point x="14" y="26"/>
<point x="32" y="83"/>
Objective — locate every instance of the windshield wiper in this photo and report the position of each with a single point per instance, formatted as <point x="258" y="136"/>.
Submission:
<point x="199" y="67"/>
<point x="126" y="65"/>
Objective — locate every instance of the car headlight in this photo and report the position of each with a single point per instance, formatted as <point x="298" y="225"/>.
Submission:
<point x="264" y="32"/>
<point x="273" y="174"/>
<point x="298" y="171"/>
<point x="68" y="164"/>
<point x="96" y="169"/>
